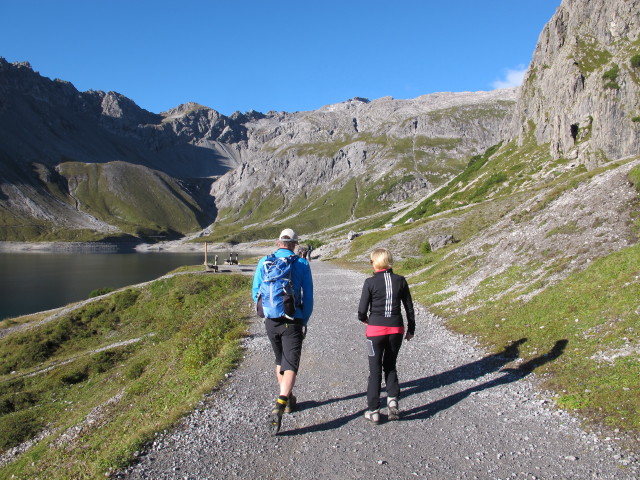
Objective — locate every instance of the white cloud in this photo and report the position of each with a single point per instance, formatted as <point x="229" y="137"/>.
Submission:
<point x="513" y="78"/>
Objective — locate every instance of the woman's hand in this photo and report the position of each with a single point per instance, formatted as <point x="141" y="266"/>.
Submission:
<point x="408" y="336"/>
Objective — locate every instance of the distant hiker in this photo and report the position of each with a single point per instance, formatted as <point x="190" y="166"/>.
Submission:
<point x="283" y="292"/>
<point x="309" y="252"/>
<point x="379" y="308"/>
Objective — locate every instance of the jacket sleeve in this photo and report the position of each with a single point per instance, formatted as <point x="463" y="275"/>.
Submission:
<point x="408" y="308"/>
<point x="365" y="302"/>
<point x="257" y="280"/>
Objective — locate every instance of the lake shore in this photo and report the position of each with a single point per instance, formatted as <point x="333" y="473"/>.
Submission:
<point x="177" y="246"/>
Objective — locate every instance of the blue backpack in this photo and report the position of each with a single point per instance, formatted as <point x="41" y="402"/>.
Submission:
<point x="275" y="297"/>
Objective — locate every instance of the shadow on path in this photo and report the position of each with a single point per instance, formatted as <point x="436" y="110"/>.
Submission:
<point x="471" y="371"/>
<point x="488" y="364"/>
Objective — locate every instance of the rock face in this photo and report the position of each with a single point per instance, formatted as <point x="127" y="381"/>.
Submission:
<point x="581" y="93"/>
<point x="413" y="144"/>
<point x="405" y="147"/>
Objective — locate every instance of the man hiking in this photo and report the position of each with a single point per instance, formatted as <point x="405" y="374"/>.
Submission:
<point x="283" y="292"/>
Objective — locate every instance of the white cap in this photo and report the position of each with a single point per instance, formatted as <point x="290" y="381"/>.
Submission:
<point x="288" y="235"/>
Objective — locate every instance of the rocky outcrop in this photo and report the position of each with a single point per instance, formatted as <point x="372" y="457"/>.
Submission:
<point x="581" y="93"/>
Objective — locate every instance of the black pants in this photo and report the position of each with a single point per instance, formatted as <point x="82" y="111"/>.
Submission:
<point x="383" y="353"/>
<point x="286" y="340"/>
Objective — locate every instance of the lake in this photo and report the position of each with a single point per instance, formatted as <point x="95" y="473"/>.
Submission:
<point x="33" y="282"/>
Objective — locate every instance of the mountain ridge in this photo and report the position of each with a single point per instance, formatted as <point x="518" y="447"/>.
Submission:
<point x="201" y="148"/>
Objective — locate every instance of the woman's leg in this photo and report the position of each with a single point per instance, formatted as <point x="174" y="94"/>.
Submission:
<point x="376" y="348"/>
<point x="389" y="364"/>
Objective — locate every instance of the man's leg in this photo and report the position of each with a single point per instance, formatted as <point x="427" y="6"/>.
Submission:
<point x="287" y="381"/>
<point x="291" y="338"/>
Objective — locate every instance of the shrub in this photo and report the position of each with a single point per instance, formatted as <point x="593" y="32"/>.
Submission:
<point x="91" y="311"/>
<point x="425" y="247"/>
<point x="635" y="61"/>
<point x="100" y="291"/>
<point x="103" y="361"/>
<point x="6" y="404"/>
<point x="136" y="369"/>
<point x="18" y="427"/>
<point x="75" y="376"/>
<point x="126" y="299"/>
<point x="314" y="243"/>
<point x="611" y="76"/>
<point x="412" y="263"/>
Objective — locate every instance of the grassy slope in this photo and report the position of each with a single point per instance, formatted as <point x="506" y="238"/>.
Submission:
<point x="184" y="335"/>
<point x="113" y="193"/>
<point x="136" y="199"/>
<point x="593" y="314"/>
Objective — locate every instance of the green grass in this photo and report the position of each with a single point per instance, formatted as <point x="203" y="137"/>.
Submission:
<point x="589" y="57"/>
<point x="325" y="208"/>
<point x="634" y="176"/>
<point x="367" y="242"/>
<point x="596" y="312"/>
<point x="470" y="113"/>
<point x="184" y="334"/>
<point x="590" y="321"/>
<point x="450" y="197"/>
<point x="112" y="193"/>
<point x="331" y="149"/>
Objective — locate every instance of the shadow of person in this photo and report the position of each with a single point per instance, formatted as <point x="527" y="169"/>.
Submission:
<point x="329" y="425"/>
<point x="509" y="375"/>
<point x="470" y="371"/>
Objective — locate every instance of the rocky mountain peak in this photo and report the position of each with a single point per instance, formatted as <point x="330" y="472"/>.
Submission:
<point x="581" y="93"/>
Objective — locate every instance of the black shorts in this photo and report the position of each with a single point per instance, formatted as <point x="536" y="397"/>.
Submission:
<point x="286" y="340"/>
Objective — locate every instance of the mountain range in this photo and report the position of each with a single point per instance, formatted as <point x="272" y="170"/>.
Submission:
<point x="94" y="166"/>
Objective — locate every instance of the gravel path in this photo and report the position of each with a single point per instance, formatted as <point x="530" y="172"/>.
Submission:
<point x="463" y="417"/>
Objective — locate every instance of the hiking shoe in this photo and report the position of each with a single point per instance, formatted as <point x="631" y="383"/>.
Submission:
<point x="394" y="410"/>
<point x="276" y="417"/>
<point x="291" y="405"/>
<point x="373" y="416"/>
<point x="276" y="414"/>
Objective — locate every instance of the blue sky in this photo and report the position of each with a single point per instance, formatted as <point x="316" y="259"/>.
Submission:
<point x="284" y="55"/>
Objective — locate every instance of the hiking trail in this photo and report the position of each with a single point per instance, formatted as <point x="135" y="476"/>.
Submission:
<point x="464" y="415"/>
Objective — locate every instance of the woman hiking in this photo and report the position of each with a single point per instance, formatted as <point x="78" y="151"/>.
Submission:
<point x="379" y="309"/>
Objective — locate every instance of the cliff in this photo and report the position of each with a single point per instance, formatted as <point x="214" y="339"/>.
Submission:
<point x="581" y="94"/>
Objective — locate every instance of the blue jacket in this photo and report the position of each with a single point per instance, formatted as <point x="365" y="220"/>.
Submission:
<point x="301" y="279"/>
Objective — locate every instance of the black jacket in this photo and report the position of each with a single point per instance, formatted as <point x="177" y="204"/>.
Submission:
<point x="380" y="301"/>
